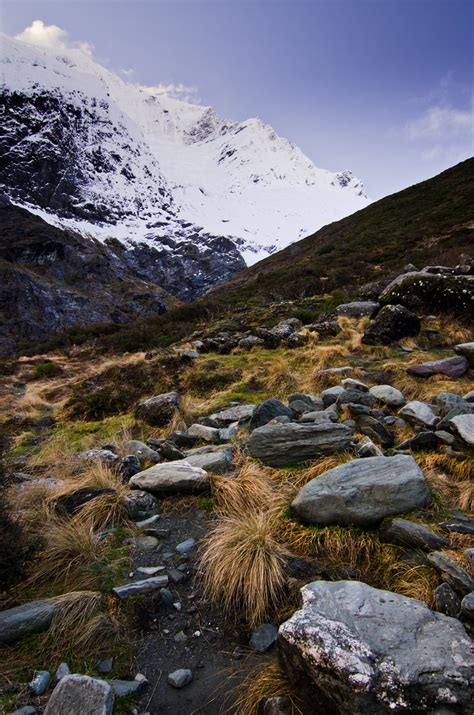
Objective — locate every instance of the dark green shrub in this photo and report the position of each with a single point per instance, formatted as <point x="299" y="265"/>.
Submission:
<point x="47" y="369"/>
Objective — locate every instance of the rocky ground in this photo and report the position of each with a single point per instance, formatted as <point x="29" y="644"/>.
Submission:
<point x="266" y="519"/>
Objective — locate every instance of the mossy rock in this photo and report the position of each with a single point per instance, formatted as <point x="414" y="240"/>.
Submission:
<point x="432" y="291"/>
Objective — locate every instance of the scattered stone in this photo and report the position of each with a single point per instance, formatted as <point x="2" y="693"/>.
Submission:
<point x="158" y="411"/>
<point x="421" y="441"/>
<point x="175" y="575"/>
<point x="325" y="328"/>
<point x="371" y="426"/>
<point x="170" y="452"/>
<point x="208" y="434"/>
<point x="129" y="466"/>
<point x="264" y="637"/>
<point x="81" y="695"/>
<point x="464" y="426"/>
<point x="266" y="411"/>
<point x="226" y="434"/>
<point x="366" y="448"/>
<point x="172" y="478"/>
<point x="355" y="397"/>
<point x="62" y="670"/>
<point x="145" y="523"/>
<point x="166" y="596"/>
<point x="180" y="678"/>
<point x="330" y="395"/>
<point x="104" y="667"/>
<point x="447" y="401"/>
<point x="180" y="439"/>
<point x="26" y="710"/>
<point x="40" y="682"/>
<point x="365" y="650"/>
<point x="363" y="492"/>
<point x="350" y="383"/>
<point x="187" y="355"/>
<point x="293" y="443"/>
<point x="466" y="350"/>
<point x="139" y="503"/>
<point x="451" y="572"/>
<point x="142" y="451"/>
<point x="467" y="605"/>
<point x="98" y="455"/>
<point x="460" y="525"/>
<point x="251" y="341"/>
<point x="447" y="600"/>
<point x="464" y="408"/>
<point x="215" y="462"/>
<point x="150" y="570"/>
<point x="391" y="323"/>
<point x="180" y="637"/>
<point x="278" y="705"/>
<point x="357" y="309"/>
<point x="419" y="414"/>
<point x="239" y="413"/>
<point x="32" y="617"/>
<point x="452" y="367"/>
<point x="125" y="687"/>
<point x="388" y="395"/>
<point x="137" y="587"/>
<point x="287" y="327"/>
<point x="410" y="534"/>
<point x="312" y="403"/>
<point x="147" y="542"/>
<point x="185" y="546"/>
<point x="320" y="416"/>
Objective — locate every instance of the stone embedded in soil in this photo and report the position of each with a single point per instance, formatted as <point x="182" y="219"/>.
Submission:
<point x="422" y="440"/>
<point x="447" y="600"/>
<point x="391" y="323"/>
<point x="32" y="617"/>
<point x="157" y="411"/>
<point x="139" y="503"/>
<point x="81" y="695"/>
<point x="150" y="570"/>
<point x="294" y="443"/>
<point x="104" y="667"/>
<point x="354" y="648"/>
<point x="408" y="533"/>
<point x="363" y="492"/>
<point x="62" y="670"/>
<point x="144" y="543"/>
<point x="467" y="351"/>
<point x="388" y="395"/>
<point x="452" y="367"/>
<point x="180" y="678"/>
<point x="178" y="477"/>
<point x="125" y="687"/>
<point x="26" y="710"/>
<point x="451" y="572"/>
<point x="215" y="462"/>
<point x="264" y="637"/>
<point x="208" y="434"/>
<point x="136" y="448"/>
<point x="40" y="682"/>
<point x="268" y="410"/>
<point x="467" y="605"/>
<point x="357" y="308"/>
<point x="464" y="426"/>
<point x="185" y="546"/>
<point x="234" y="414"/>
<point x="137" y="587"/>
<point x="419" y="414"/>
<point x="98" y="455"/>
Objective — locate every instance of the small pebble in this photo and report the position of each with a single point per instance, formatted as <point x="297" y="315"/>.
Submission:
<point x="180" y="637"/>
<point x="185" y="546"/>
<point x="180" y="678"/>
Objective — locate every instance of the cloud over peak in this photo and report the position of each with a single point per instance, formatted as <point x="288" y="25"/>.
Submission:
<point x="51" y="36"/>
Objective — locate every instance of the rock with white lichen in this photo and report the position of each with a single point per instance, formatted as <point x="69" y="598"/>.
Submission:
<point x="353" y="649"/>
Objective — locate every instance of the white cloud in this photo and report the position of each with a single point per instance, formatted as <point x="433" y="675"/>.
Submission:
<point x="51" y="36"/>
<point x="176" y="91"/>
<point x="441" y="122"/>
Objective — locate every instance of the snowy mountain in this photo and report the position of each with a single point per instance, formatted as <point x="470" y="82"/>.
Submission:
<point x="188" y="195"/>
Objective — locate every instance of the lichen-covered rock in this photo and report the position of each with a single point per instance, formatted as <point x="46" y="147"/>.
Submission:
<point x="435" y="292"/>
<point x="157" y="411"/>
<point x="391" y="323"/>
<point x="363" y="492"/>
<point x="357" y="309"/>
<point x="81" y="695"/>
<point x="281" y="445"/>
<point x="356" y="650"/>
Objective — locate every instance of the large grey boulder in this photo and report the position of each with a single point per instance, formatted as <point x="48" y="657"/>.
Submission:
<point x="157" y="411"/>
<point x="178" y="477"/>
<point x="283" y="445"/>
<point x="357" y="309"/>
<point x="391" y="323"/>
<point x="81" y="695"/>
<point x="33" y="617"/>
<point x="363" y="492"/>
<point x="435" y="292"/>
<point x="467" y="351"/>
<point x="357" y="650"/>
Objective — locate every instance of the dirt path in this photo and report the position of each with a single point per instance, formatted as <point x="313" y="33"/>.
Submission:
<point x="215" y="650"/>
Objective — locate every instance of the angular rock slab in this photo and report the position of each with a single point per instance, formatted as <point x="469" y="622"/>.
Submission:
<point x="452" y="367"/>
<point x="81" y="695"/>
<point x="363" y="492"/>
<point x="32" y="617"/>
<point x="158" y="410"/>
<point x="464" y="426"/>
<point x="293" y="443"/>
<point x="179" y="477"/>
<point x="388" y="395"/>
<point x="356" y="649"/>
<point x="467" y="351"/>
<point x="134" y="588"/>
<point x="419" y="414"/>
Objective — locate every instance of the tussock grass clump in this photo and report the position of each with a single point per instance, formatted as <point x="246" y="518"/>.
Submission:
<point x="243" y="565"/>
<point x="302" y="477"/>
<point x="280" y="378"/>
<point x="267" y="681"/>
<point x="450" y="476"/>
<point x="415" y="581"/>
<point x="352" y="331"/>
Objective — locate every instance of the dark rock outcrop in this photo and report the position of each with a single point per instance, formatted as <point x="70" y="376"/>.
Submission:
<point x="391" y="323"/>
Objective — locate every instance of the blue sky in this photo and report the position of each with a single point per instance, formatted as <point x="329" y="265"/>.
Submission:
<point x="381" y="87"/>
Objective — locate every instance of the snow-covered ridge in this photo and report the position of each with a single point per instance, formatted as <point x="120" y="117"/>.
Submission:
<point x="143" y="168"/>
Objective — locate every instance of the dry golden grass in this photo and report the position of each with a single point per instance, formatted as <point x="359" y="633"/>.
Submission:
<point x="56" y="455"/>
<point x="352" y="331"/>
<point x="266" y="681"/>
<point x="280" y="377"/>
<point x="451" y="476"/>
<point x="414" y="581"/>
<point x="70" y="551"/>
<point x="32" y="504"/>
<point x="243" y="565"/>
<point x="33" y="401"/>
<point x="302" y="477"/>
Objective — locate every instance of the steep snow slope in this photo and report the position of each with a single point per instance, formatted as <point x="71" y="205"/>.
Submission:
<point x="114" y="160"/>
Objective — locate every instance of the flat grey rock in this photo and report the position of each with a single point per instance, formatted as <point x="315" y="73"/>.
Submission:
<point x="214" y="462"/>
<point x="208" y="434"/>
<point x="467" y="351"/>
<point x="363" y="492"/>
<point x="234" y="414"/>
<point x="264" y="637"/>
<point x="125" y="687"/>
<point x="81" y="695"/>
<point x="388" y="395"/>
<point x="32" y="617"/>
<point x="172" y="478"/>
<point x="135" y="588"/>
<point x="294" y="443"/>
<point x="419" y="414"/>
<point x="330" y="395"/>
<point x="142" y="451"/>
<point x="451" y="572"/>
<point x="372" y="652"/>
<point x="357" y="309"/>
<point x="464" y="426"/>
<point x="409" y="533"/>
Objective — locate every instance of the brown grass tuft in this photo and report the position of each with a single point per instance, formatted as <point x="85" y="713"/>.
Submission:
<point x="243" y="565"/>
<point x="280" y="378"/>
<point x="266" y="681"/>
